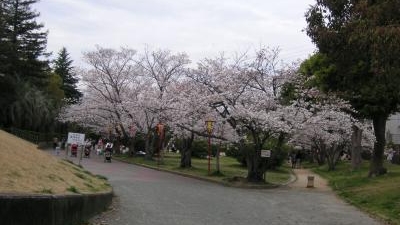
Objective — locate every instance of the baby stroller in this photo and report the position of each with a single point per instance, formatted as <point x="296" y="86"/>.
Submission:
<point x="74" y="150"/>
<point x="108" y="152"/>
<point x="87" y="150"/>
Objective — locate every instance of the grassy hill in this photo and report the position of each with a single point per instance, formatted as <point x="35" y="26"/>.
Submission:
<point x="26" y="169"/>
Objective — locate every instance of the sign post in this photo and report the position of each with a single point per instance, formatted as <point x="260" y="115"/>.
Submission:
<point x="210" y="127"/>
<point x="76" y="138"/>
<point x="265" y="154"/>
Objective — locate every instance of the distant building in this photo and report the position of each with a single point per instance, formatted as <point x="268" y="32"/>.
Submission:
<point x="393" y="129"/>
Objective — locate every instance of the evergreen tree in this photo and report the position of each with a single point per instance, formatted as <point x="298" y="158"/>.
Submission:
<point x="22" y="53"/>
<point x="24" y="42"/>
<point x="361" y="41"/>
<point x="63" y="67"/>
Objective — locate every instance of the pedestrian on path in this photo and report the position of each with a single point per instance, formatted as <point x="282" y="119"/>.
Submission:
<point x="293" y="160"/>
<point x="298" y="159"/>
<point x="55" y="143"/>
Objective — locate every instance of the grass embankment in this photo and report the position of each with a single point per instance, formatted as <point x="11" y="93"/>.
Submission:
<point x="229" y="168"/>
<point x="24" y="169"/>
<point x="379" y="196"/>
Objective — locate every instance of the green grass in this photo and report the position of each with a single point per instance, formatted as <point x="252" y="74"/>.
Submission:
<point x="379" y="196"/>
<point x="229" y="168"/>
<point x="73" y="189"/>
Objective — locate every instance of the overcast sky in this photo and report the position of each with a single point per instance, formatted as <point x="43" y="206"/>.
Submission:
<point x="201" y="28"/>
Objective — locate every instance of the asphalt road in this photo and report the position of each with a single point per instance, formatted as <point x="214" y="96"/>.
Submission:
<point x="151" y="197"/>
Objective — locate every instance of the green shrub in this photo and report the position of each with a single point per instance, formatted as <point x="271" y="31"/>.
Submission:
<point x="396" y="158"/>
<point x="278" y="156"/>
<point x="199" y="149"/>
<point x="366" y="155"/>
<point x="241" y="153"/>
<point x="233" y="152"/>
<point x="140" y="143"/>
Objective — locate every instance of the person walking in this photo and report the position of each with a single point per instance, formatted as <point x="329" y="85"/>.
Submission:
<point x="55" y="143"/>
<point x="293" y="160"/>
<point x="298" y="159"/>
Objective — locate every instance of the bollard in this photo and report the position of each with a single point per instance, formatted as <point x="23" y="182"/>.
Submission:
<point x="310" y="181"/>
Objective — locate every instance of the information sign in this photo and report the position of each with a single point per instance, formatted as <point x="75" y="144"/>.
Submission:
<point x="76" y="138"/>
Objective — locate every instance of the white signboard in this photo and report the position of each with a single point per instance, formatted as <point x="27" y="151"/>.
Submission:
<point x="76" y="138"/>
<point x="265" y="153"/>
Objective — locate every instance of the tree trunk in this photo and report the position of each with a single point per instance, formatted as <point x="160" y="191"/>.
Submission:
<point x="320" y="154"/>
<point x="311" y="157"/>
<point x="131" y="145"/>
<point x="186" y="158"/>
<point x="356" y="138"/>
<point x="255" y="170"/>
<point x="376" y="166"/>
<point x="255" y="167"/>
<point x="186" y="152"/>
<point x="149" y="143"/>
<point x="333" y="155"/>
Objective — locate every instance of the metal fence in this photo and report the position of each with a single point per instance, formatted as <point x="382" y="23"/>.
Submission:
<point x="34" y="137"/>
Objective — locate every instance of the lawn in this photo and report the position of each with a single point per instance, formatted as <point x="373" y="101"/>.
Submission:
<point x="229" y="168"/>
<point x="379" y="196"/>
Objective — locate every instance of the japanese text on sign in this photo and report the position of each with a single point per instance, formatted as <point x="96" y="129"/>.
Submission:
<point x="76" y="138"/>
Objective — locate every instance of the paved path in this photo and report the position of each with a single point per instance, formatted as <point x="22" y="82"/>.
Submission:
<point x="302" y="176"/>
<point x="152" y="197"/>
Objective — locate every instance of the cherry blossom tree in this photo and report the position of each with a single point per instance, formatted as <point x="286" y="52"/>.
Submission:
<point x="188" y="110"/>
<point x="243" y="95"/>
<point x="324" y="123"/>
<point x="244" y="92"/>
<point x="162" y="69"/>
<point x="109" y="83"/>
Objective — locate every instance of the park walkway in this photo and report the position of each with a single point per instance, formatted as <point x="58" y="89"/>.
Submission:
<point x="320" y="184"/>
<point x="146" y="196"/>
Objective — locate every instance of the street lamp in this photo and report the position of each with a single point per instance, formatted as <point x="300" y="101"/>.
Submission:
<point x="209" y="126"/>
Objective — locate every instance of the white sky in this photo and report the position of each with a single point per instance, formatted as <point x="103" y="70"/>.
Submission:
<point x="201" y="28"/>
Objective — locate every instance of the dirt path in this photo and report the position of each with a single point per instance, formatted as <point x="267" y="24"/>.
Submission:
<point x="320" y="184"/>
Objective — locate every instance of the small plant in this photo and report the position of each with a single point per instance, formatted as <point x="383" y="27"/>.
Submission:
<point x="87" y="172"/>
<point x="46" y="191"/>
<point x="73" y="189"/>
<point x="89" y="185"/>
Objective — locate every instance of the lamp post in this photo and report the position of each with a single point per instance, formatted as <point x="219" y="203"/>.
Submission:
<point x="209" y="126"/>
<point x="160" y="132"/>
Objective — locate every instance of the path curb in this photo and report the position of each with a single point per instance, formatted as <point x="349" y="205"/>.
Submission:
<point x="227" y="184"/>
<point x="71" y="209"/>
